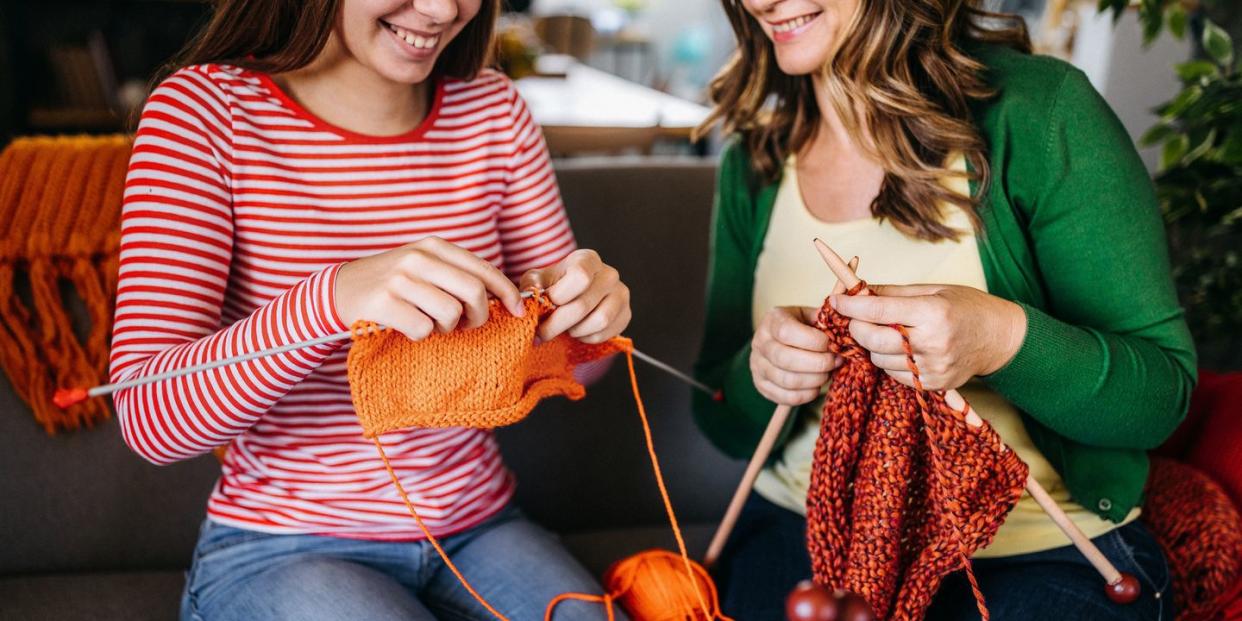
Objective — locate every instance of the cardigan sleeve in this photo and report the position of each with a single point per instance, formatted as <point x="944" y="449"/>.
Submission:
<point x="735" y="423"/>
<point x="1109" y="362"/>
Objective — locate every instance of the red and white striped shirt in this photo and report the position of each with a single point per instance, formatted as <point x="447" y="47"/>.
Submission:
<point x="239" y="208"/>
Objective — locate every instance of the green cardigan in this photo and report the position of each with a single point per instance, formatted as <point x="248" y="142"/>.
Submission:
<point x="1071" y="232"/>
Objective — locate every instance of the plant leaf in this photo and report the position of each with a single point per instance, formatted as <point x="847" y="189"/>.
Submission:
<point x="1156" y="134"/>
<point x="1217" y="44"/>
<point x="1194" y="70"/>
<point x="1177" y="21"/>
<point x="1174" y="150"/>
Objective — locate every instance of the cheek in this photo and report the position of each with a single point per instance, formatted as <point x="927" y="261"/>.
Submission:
<point x="469" y="9"/>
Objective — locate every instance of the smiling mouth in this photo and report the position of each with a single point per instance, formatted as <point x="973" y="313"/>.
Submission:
<point x="414" y="40"/>
<point x="791" y="24"/>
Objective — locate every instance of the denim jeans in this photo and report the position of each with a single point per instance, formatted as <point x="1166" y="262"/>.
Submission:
<point x="766" y="557"/>
<point x="515" y="565"/>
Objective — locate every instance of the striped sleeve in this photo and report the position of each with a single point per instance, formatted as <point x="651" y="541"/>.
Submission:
<point x="176" y="250"/>
<point x="534" y="229"/>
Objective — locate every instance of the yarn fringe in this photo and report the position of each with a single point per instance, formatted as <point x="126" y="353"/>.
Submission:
<point x="60" y="198"/>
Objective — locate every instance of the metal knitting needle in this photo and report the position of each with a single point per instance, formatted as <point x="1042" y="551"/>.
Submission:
<point x="764" y="449"/>
<point x="65" y="397"/>
<point x="1121" y="588"/>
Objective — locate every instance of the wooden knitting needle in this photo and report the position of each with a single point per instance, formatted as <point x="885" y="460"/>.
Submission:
<point x="757" y="461"/>
<point x="1122" y="588"/>
<point x="65" y="397"/>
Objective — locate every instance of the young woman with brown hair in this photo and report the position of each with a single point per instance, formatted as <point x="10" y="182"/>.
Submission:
<point x="304" y="165"/>
<point x="1019" y="240"/>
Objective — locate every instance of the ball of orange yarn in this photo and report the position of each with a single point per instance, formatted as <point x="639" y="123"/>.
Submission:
<point x="653" y="586"/>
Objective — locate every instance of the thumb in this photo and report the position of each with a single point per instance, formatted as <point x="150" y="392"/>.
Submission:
<point x="540" y="278"/>
<point x="906" y="291"/>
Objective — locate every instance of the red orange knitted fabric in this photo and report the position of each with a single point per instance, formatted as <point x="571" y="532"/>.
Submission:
<point x="902" y="489"/>
<point x="487" y="377"/>
<point x="1201" y="533"/>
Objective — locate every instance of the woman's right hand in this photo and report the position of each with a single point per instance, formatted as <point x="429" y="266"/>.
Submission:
<point x="423" y="287"/>
<point x="789" y="357"/>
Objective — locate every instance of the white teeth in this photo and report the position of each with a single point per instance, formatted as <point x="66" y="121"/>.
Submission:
<point x="413" y="39"/>
<point x="792" y="24"/>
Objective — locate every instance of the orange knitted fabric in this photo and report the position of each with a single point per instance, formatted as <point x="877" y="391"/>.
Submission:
<point x="487" y="377"/>
<point x="492" y="376"/>
<point x="902" y="489"/>
<point x="1201" y="533"/>
<point x="60" y="202"/>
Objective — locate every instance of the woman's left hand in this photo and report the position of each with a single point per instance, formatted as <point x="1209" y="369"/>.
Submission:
<point x="956" y="332"/>
<point x="592" y="304"/>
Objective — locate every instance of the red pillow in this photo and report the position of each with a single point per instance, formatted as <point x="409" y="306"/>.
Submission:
<point x="1217" y="447"/>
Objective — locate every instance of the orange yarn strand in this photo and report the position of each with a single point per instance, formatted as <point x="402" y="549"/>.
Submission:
<point x="655" y="465"/>
<point x="430" y="537"/>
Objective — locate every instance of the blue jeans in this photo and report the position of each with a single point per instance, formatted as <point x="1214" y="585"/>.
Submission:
<point x="515" y="565"/>
<point x="766" y="557"/>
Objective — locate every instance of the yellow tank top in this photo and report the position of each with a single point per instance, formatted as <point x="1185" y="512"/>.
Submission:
<point x="790" y="273"/>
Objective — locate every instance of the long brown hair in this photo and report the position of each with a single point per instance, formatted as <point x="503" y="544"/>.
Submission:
<point x="900" y="73"/>
<point x="275" y="36"/>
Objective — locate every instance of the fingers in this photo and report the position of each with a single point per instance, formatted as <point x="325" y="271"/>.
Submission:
<point x="448" y="280"/>
<point x="782" y="396"/>
<point x="571" y="277"/>
<point x="534" y="279"/>
<point x="786" y="379"/>
<point x="906" y="291"/>
<point x="493" y="280"/>
<point x="443" y="309"/>
<point x="886" y="310"/>
<point x="881" y="339"/>
<point x="783" y="325"/>
<point x="593" y="304"/>
<point x="607" y="320"/>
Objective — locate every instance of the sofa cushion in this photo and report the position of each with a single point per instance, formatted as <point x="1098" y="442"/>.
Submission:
<point x="124" y="596"/>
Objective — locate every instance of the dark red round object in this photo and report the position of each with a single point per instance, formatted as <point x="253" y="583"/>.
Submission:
<point x="811" y="602"/>
<point x="855" y="608"/>
<point x="1124" y="591"/>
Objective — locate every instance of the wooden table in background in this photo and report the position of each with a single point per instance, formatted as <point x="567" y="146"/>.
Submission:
<point x="589" y="110"/>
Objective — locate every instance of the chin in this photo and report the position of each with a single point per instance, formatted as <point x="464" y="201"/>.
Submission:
<point x="800" y="64"/>
<point x="404" y="73"/>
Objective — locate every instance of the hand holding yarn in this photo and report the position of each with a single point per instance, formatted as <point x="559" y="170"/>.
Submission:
<point x="423" y="287"/>
<point x="593" y="305"/>
<point x="956" y="332"/>
<point x="789" y="357"/>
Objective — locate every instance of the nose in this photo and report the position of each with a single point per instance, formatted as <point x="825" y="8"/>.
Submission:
<point x="759" y="7"/>
<point x="439" y="12"/>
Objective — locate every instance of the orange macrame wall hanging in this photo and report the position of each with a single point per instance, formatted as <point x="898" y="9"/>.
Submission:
<point x="60" y="205"/>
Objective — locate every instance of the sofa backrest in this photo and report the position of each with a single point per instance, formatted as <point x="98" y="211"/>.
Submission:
<point x="81" y="501"/>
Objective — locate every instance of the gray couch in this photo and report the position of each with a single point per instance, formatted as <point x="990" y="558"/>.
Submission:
<point x="90" y="531"/>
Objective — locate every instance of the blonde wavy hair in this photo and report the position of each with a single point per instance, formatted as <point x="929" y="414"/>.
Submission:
<point x="900" y="72"/>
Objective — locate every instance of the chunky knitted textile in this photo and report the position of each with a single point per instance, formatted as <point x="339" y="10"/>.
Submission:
<point x="902" y="489"/>
<point x="494" y="375"/>
<point x="60" y="205"/>
<point x="487" y="377"/>
<point x="1201" y="534"/>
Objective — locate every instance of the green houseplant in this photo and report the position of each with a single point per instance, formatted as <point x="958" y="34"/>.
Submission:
<point x="1200" y="178"/>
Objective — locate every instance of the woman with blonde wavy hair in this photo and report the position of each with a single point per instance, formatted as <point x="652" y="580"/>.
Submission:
<point x="1017" y="234"/>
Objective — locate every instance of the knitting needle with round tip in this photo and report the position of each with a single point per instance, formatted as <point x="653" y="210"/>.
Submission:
<point x="1122" y="588"/>
<point x="66" y="397"/>
<point x="762" y="451"/>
